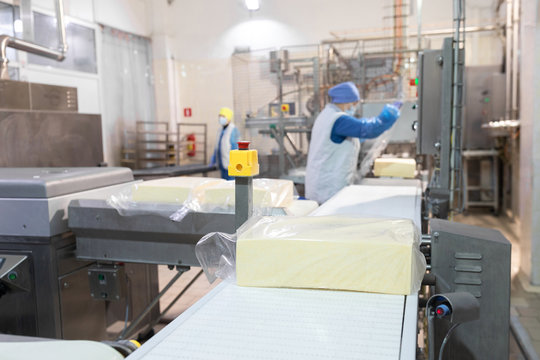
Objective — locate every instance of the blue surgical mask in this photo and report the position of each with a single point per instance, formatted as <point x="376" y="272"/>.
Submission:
<point x="351" y="111"/>
<point x="222" y="120"/>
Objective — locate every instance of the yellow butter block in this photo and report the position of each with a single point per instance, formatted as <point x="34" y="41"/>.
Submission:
<point x="394" y="167"/>
<point x="173" y="189"/>
<point x="266" y="193"/>
<point x="330" y="252"/>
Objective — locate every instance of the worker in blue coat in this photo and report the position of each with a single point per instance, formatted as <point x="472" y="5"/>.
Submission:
<point x="227" y="140"/>
<point x="335" y="141"/>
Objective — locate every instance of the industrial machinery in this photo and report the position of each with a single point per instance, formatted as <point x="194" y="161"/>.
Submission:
<point x="86" y="270"/>
<point x="472" y="286"/>
<point x="40" y="126"/>
<point x="68" y="257"/>
<point x="44" y="290"/>
<point x="476" y="261"/>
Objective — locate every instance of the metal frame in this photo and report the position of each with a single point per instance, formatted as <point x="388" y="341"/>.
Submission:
<point x="481" y="154"/>
<point x="179" y="140"/>
<point x="142" y="142"/>
<point x="458" y="48"/>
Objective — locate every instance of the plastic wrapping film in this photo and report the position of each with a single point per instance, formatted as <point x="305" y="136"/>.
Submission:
<point x="216" y="253"/>
<point x="266" y="193"/>
<point x="175" y="197"/>
<point x="327" y="252"/>
<point x="166" y="197"/>
<point x="374" y="152"/>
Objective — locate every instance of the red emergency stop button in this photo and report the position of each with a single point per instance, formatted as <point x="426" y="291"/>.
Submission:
<point x="243" y="145"/>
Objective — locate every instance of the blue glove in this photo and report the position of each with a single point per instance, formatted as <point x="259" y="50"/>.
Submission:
<point x="213" y="160"/>
<point x="388" y="116"/>
<point x="397" y="104"/>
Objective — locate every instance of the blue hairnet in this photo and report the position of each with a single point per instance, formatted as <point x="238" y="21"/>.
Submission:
<point x="344" y="93"/>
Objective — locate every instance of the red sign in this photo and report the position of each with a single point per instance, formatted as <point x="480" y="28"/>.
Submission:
<point x="187" y="112"/>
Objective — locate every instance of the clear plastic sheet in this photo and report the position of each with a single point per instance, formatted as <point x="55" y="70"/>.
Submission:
<point x="166" y="197"/>
<point x="266" y="193"/>
<point x="328" y="252"/>
<point x="176" y="197"/>
<point x="216" y="253"/>
<point x="374" y="152"/>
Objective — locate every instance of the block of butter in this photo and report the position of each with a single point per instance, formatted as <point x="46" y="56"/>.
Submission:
<point x="394" y="167"/>
<point x="330" y="252"/>
<point x="172" y="189"/>
<point x="266" y="193"/>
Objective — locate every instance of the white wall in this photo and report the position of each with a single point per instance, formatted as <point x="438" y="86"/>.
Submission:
<point x="530" y="147"/>
<point x="79" y="9"/>
<point x="126" y="15"/>
<point x="203" y="33"/>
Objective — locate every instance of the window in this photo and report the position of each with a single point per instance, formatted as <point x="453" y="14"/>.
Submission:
<point x="7" y="18"/>
<point x="81" y="40"/>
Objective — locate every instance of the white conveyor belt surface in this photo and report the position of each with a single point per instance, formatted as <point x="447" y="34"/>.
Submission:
<point x="233" y="322"/>
<point x="401" y="201"/>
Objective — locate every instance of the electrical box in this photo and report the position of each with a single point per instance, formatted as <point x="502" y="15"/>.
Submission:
<point x="107" y="282"/>
<point x="287" y="109"/>
<point x="279" y="61"/>
<point x="475" y="260"/>
<point x="429" y="98"/>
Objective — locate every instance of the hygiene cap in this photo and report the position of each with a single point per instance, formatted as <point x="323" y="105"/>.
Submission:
<point x="227" y="113"/>
<point x="344" y="93"/>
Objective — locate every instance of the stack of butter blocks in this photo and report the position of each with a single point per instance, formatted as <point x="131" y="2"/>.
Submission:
<point x="172" y="190"/>
<point x="330" y="252"/>
<point x="394" y="167"/>
<point x="214" y="192"/>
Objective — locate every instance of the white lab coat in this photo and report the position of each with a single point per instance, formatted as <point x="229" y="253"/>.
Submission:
<point x="330" y="166"/>
<point x="225" y="145"/>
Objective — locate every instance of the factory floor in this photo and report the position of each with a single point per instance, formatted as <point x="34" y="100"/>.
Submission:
<point x="525" y="303"/>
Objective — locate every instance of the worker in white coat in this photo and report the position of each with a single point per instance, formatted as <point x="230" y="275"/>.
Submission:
<point x="335" y="141"/>
<point x="226" y="140"/>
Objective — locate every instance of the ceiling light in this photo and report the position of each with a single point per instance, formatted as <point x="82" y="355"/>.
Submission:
<point x="252" y="5"/>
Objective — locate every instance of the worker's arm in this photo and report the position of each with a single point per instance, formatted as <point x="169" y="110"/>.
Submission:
<point x="364" y="128"/>
<point x="235" y="136"/>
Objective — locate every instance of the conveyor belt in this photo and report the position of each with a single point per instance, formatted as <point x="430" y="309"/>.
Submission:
<point x="234" y="322"/>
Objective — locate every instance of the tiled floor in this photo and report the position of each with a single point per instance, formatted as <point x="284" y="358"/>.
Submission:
<point x="525" y="305"/>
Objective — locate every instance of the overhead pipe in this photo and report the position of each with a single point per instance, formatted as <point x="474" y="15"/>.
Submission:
<point x="508" y="59"/>
<point x="468" y="29"/>
<point x="515" y="59"/>
<point x="23" y="45"/>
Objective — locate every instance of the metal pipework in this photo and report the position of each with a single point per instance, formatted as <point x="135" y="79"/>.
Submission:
<point x="19" y="44"/>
